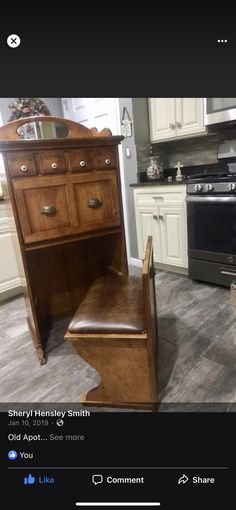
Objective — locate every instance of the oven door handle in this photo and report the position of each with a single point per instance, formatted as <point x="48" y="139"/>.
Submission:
<point x="230" y="273"/>
<point x="211" y="199"/>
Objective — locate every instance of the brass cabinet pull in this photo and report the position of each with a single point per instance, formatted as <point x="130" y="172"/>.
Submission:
<point x="24" y="168"/>
<point x="54" y="166"/>
<point x="94" y="203"/>
<point x="49" y="210"/>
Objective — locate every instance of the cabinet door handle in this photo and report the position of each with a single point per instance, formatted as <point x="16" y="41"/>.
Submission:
<point x="178" y="125"/>
<point x="161" y="217"/>
<point x="49" y="210"/>
<point x="107" y="161"/>
<point x="171" y="125"/>
<point x="155" y="217"/>
<point x="94" y="203"/>
<point x="82" y="163"/>
<point x="54" y="166"/>
<point x="24" y="168"/>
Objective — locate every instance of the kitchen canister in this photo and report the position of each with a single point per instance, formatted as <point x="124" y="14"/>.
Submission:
<point x="154" y="168"/>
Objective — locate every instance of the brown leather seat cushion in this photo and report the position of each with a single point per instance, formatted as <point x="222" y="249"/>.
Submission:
<point x="111" y="305"/>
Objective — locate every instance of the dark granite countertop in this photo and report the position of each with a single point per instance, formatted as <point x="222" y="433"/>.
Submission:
<point x="158" y="183"/>
<point x="187" y="171"/>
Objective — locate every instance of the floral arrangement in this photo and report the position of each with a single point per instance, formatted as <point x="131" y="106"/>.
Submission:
<point x="27" y="107"/>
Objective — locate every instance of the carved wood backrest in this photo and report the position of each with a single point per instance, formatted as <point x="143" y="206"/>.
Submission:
<point x="75" y="130"/>
<point x="148" y="280"/>
<point x="148" y="273"/>
<point x="149" y="294"/>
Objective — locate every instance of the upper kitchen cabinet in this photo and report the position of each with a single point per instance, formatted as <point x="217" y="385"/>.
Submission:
<point x="172" y="118"/>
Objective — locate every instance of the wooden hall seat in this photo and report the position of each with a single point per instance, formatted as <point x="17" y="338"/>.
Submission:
<point x="115" y="330"/>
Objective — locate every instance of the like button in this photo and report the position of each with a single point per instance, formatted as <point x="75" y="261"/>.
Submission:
<point x="29" y="480"/>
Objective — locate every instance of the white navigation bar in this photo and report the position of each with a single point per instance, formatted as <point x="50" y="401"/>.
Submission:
<point x="119" y="503"/>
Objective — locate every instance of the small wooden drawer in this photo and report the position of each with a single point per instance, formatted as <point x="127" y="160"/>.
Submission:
<point x="80" y="160"/>
<point x="51" y="162"/>
<point x="22" y="164"/>
<point x="105" y="158"/>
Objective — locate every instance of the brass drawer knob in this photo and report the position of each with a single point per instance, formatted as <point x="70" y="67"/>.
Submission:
<point x="24" y="168"/>
<point x="49" y="210"/>
<point x="107" y="161"/>
<point x="82" y="163"/>
<point x="94" y="203"/>
<point x="54" y="166"/>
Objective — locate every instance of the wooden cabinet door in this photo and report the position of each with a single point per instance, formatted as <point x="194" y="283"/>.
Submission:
<point x="162" y="118"/>
<point x="45" y="210"/>
<point x="173" y="235"/>
<point x="96" y="201"/>
<point x="147" y="224"/>
<point x="189" y="116"/>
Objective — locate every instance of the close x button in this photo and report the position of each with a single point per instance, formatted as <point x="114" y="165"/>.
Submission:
<point x="13" y="40"/>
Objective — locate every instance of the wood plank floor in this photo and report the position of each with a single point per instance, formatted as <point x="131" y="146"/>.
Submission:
<point x="196" y="353"/>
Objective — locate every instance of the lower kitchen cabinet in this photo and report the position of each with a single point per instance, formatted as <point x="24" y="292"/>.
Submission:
<point x="146" y="226"/>
<point x="161" y="212"/>
<point x="173" y="235"/>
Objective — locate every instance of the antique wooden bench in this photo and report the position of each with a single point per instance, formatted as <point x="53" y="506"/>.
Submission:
<point x="115" y="330"/>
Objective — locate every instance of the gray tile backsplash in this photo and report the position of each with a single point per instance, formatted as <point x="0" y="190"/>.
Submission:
<point x="142" y="154"/>
<point x="192" y="151"/>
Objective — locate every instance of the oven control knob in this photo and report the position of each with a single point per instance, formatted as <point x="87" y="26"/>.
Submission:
<point x="198" y="187"/>
<point x="231" y="186"/>
<point x="209" y="187"/>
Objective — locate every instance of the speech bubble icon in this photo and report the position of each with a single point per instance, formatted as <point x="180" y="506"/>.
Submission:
<point x="96" y="479"/>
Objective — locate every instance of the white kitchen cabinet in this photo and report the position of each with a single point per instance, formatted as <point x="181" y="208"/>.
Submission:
<point x="160" y="211"/>
<point x="172" y="118"/>
<point x="173" y="235"/>
<point x="162" y="118"/>
<point x="146" y="226"/>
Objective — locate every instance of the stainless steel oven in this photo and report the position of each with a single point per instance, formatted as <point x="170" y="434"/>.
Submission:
<point x="211" y="215"/>
<point x="220" y="110"/>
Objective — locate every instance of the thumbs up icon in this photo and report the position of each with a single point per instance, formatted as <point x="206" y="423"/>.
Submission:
<point x="29" y="480"/>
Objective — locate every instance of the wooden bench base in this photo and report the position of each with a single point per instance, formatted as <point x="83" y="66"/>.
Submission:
<point x="123" y="366"/>
<point x="115" y="330"/>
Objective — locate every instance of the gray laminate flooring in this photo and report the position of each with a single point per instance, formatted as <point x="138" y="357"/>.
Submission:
<point x="196" y="350"/>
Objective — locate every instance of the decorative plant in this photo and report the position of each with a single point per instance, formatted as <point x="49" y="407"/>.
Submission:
<point x="27" y="107"/>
